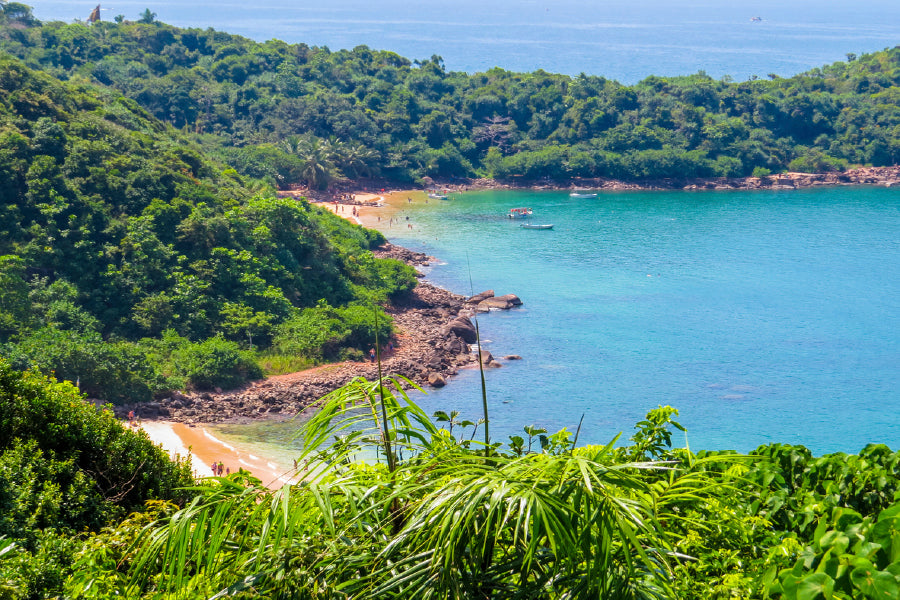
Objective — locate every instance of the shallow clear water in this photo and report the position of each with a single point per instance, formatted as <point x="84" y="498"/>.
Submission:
<point x="625" y="40"/>
<point x="769" y="316"/>
<point x="762" y="316"/>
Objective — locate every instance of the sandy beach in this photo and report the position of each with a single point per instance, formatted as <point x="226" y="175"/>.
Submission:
<point x="204" y="448"/>
<point x="376" y="211"/>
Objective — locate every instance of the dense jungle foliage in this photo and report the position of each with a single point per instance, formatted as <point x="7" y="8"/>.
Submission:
<point x="65" y="469"/>
<point x="289" y="112"/>
<point x="439" y="514"/>
<point x="135" y="264"/>
<point x="132" y="262"/>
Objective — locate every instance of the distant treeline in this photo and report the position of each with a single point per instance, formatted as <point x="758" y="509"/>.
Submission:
<point x="292" y="113"/>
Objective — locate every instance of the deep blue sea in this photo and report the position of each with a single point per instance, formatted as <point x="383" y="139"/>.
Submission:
<point x="626" y="40"/>
<point x="768" y="316"/>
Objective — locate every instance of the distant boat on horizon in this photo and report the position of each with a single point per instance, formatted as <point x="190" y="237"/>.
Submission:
<point x="755" y="19"/>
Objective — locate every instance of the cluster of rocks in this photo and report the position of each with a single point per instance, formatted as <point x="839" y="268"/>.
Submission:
<point x="434" y="342"/>
<point x="887" y="176"/>
<point x="486" y="301"/>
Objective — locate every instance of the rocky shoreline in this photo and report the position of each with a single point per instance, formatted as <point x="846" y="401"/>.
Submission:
<point x="878" y="176"/>
<point x="431" y="346"/>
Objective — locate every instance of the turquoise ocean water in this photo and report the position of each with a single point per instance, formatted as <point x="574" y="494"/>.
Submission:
<point x="626" y="40"/>
<point x="770" y="316"/>
<point x="767" y="316"/>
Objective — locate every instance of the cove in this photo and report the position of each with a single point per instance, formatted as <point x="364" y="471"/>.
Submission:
<point x="768" y="316"/>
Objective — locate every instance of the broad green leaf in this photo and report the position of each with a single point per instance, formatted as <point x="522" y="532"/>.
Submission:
<point x="875" y="584"/>
<point x="817" y="585"/>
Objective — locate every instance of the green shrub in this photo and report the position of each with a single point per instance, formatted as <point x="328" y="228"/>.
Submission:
<point x="325" y="332"/>
<point x="396" y="278"/>
<point x="360" y="322"/>
<point x="315" y="333"/>
<point x="215" y="362"/>
<point x="112" y="372"/>
<point x="46" y="428"/>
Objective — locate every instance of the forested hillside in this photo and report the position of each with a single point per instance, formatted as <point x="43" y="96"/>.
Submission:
<point x="135" y="264"/>
<point x="291" y="113"/>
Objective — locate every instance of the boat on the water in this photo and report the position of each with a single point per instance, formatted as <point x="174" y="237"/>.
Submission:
<point x="583" y="195"/>
<point x="438" y="196"/>
<point x="519" y="213"/>
<point x="536" y="226"/>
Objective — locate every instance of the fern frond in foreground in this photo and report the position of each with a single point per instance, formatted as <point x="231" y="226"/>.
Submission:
<point x="448" y="520"/>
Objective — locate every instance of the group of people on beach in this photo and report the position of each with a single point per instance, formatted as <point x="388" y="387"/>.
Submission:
<point x="219" y="469"/>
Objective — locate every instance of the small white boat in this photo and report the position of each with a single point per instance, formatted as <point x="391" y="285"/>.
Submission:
<point x="536" y="226"/>
<point x="519" y="213"/>
<point x="583" y="195"/>
<point x="438" y="196"/>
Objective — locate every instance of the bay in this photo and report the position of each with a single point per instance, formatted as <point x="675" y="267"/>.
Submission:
<point x="768" y="316"/>
<point x="625" y="40"/>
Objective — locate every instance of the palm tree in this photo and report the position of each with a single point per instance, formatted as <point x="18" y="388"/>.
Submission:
<point x="318" y="169"/>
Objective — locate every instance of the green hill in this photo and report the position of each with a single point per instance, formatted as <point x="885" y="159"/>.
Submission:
<point x="272" y="109"/>
<point x="115" y="228"/>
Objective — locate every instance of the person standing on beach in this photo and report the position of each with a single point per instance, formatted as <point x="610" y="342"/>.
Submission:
<point x="371" y="354"/>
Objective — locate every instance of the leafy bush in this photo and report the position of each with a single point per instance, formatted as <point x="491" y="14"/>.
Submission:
<point x="67" y="467"/>
<point x="112" y="372"/>
<point x="325" y="332"/>
<point x="86" y="455"/>
<point x="214" y="363"/>
<point x="396" y="278"/>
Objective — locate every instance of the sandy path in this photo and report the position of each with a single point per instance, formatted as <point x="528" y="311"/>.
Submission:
<point x="204" y="448"/>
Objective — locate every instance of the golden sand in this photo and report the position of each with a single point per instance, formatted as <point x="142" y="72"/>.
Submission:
<point x="204" y="448"/>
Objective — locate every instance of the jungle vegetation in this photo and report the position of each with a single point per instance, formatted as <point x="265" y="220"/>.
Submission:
<point x="436" y="510"/>
<point x="134" y="264"/>
<point x="290" y="113"/>
<point x="142" y="248"/>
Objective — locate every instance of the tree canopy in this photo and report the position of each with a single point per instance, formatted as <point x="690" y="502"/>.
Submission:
<point x="365" y="111"/>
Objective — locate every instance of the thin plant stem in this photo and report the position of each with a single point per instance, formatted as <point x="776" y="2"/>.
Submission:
<point x="384" y="420"/>
<point x="577" y="431"/>
<point x="484" y="402"/>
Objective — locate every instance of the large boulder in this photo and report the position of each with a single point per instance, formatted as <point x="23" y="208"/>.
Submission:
<point x="479" y="297"/>
<point x="455" y="345"/>
<point x="436" y="380"/>
<point x="511" y="298"/>
<point x="462" y="327"/>
<point x="495" y="304"/>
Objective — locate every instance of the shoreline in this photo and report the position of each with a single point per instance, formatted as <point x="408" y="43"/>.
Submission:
<point x="426" y="350"/>
<point x="431" y="346"/>
<point x="881" y="176"/>
<point x="203" y="448"/>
